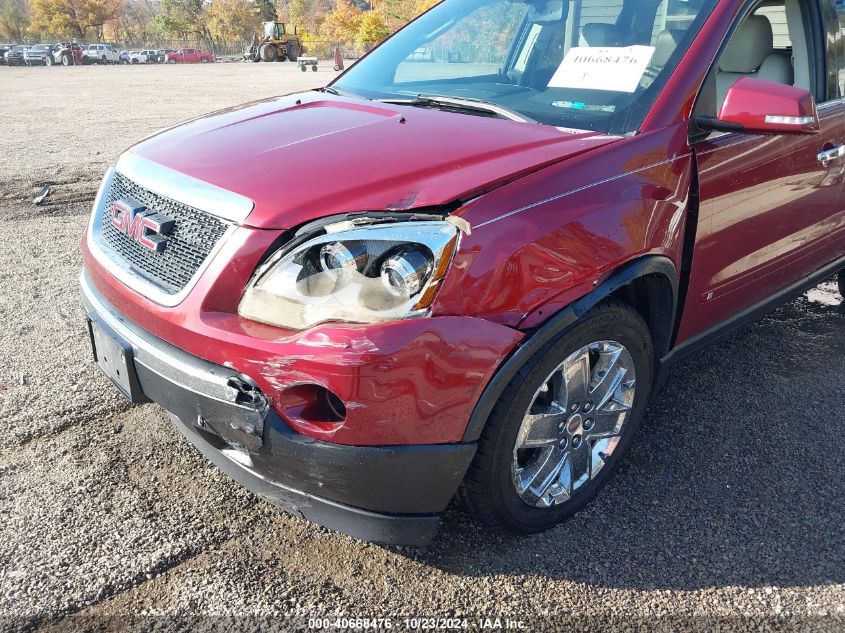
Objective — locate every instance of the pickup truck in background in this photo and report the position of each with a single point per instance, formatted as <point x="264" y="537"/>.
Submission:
<point x="142" y="57"/>
<point x="100" y="54"/>
<point x="39" y="54"/>
<point x="66" y="54"/>
<point x="189" y="56"/>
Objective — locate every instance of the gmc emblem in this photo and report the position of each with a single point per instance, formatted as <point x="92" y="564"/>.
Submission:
<point x="148" y="228"/>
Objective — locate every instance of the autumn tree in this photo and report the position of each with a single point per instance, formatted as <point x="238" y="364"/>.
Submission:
<point x="14" y="19"/>
<point x="396" y="13"/>
<point x="342" y="24"/>
<point x="73" y="18"/>
<point x="134" y="22"/>
<point x="230" y="20"/>
<point x="183" y="18"/>
<point x="297" y="14"/>
<point x="265" y="9"/>
<point x="371" y="28"/>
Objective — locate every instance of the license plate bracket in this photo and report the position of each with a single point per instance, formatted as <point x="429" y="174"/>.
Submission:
<point x="115" y="359"/>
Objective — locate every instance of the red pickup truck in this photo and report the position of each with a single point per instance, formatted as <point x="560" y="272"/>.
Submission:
<point x="485" y="262"/>
<point x="189" y="56"/>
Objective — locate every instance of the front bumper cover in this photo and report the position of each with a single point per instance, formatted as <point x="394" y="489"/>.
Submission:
<point x="383" y="494"/>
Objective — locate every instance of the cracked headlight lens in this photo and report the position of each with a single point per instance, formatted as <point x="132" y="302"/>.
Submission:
<point x="353" y="273"/>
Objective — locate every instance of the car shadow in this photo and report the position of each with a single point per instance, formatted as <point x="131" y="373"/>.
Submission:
<point x="735" y="478"/>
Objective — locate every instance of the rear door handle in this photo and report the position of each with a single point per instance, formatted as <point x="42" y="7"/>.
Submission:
<point x="829" y="155"/>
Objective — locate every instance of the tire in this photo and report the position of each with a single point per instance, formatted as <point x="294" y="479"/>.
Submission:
<point x="292" y="53"/>
<point x="337" y="68"/>
<point x="314" y="68"/>
<point x="65" y="60"/>
<point x="203" y="60"/>
<point x="302" y="68"/>
<point x="268" y="53"/>
<point x="48" y="60"/>
<point x="841" y="280"/>
<point x="490" y="489"/>
<point x="171" y="60"/>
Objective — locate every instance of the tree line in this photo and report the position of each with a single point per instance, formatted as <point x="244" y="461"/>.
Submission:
<point x="342" y="21"/>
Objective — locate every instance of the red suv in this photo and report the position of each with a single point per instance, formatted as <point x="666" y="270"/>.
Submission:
<point x="485" y="260"/>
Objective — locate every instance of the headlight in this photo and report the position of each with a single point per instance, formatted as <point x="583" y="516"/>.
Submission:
<point x="378" y="272"/>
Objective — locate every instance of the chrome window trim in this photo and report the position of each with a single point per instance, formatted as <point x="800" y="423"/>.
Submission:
<point x="166" y="182"/>
<point x="124" y="273"/>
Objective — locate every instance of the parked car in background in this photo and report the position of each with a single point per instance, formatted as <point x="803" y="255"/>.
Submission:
<point x="123" y="57"/>
<point x="189" y="56"/>
<point x="14" y="56"/>
<point x="100" y="54"/>
<point x="66" y="54"/>
<point x="39" y="55"/>
<point x="142" y="57"/>
<point x="161" y="54"/>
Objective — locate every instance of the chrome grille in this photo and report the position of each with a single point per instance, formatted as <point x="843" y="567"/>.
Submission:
<point x="192" y="240"/>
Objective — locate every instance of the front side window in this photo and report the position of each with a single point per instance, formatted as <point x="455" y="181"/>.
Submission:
<point x="584" y="64"/>
<point x="771" y="42"/>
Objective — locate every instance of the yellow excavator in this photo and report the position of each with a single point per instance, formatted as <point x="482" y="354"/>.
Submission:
<point x="275" y="45"/>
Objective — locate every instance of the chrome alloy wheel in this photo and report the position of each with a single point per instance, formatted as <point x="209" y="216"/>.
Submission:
<point x="574" y="423"/>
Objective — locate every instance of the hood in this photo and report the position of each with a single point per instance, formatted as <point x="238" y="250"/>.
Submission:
<point x="303" y="157"/>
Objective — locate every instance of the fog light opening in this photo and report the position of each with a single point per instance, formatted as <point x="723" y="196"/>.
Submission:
<point x="312" y="404"/>
<point x="334" y="405"/>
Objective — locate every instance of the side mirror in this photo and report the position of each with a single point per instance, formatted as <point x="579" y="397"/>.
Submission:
<point x="759" y="106"/>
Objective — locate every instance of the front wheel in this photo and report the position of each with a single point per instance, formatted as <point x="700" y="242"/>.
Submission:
<point x="562" y="424"/>
<point x="268" y="53"/>
<point x="203" y="60"/>
<point x="172" y="60"/>
<point x="48" y="61"/>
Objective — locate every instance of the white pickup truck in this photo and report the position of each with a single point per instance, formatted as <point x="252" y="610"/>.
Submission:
<point x="142" y="57"/>
<point x="100" y="54"/>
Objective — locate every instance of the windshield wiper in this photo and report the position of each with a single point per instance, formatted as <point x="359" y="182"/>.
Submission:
<point x="461" y="104"/>
<point x="337" y="91"/>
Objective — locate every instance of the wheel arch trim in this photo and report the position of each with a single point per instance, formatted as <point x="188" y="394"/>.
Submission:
<point x="562" y="321"/>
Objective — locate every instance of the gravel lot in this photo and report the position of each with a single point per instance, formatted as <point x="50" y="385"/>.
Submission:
<point x="729" y="508"/>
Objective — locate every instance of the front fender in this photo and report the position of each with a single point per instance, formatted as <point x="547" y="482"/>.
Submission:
<point x="558" y="325"/>
<point x="540" y="243"/>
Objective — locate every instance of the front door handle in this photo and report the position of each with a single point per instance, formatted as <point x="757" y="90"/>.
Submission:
<point x="829" y="155"/>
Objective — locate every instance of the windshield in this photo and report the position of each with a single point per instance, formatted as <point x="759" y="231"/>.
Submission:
<point x="582" y="64"/>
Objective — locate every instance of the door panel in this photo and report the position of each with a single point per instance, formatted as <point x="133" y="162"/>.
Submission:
<point x="768" y="211"/>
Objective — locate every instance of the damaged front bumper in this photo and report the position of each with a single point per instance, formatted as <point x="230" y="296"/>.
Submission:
<point x="387" y="494"/>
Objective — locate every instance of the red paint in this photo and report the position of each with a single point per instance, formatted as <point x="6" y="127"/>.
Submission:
<point x="750" y="102"/>
<point x="553" y="214"/>
<point x="327" y="155"/>
<point x="188" y="56"/>
<point x="583" y="231"/>
<point x="407" y="382"/>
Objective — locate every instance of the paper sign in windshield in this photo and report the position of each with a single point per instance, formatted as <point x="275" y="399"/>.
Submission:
<point x="617" y="69"/>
